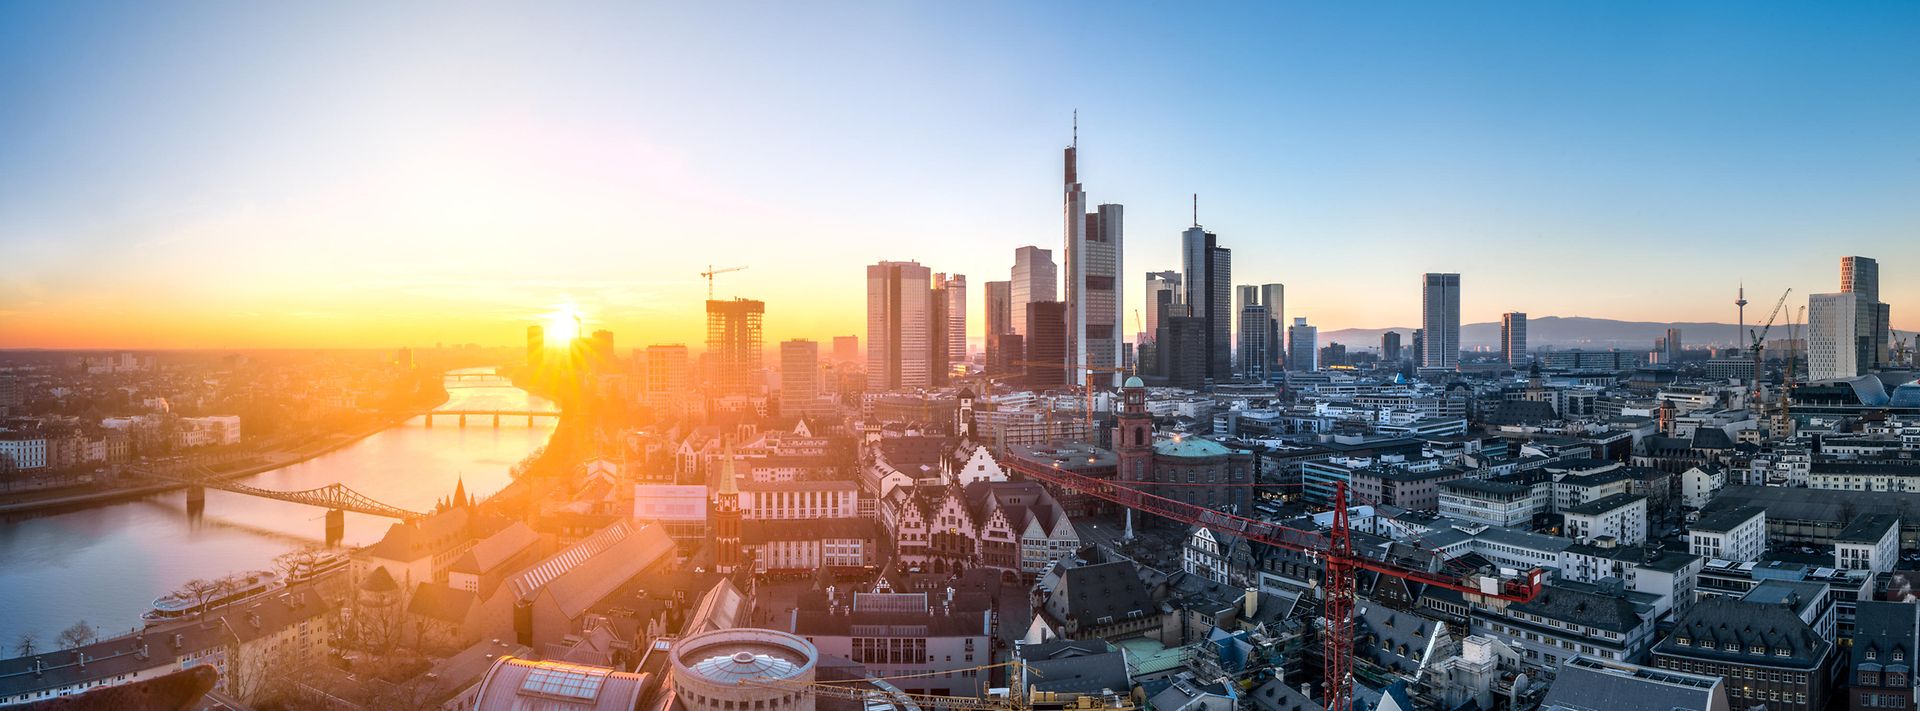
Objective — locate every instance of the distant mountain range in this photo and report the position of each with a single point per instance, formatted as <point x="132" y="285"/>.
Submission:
<point x="1565" y="332"/>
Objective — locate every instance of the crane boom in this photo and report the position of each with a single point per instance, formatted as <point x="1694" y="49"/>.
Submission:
<point x="1760" y="347"/>
<point x="709" y="274"/>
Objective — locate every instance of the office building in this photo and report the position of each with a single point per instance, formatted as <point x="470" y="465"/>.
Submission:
<point x="1390" y="347"/>
<point x="1303" y="346"/>
<point x="955" y="288"/>
<point x="899" y="326"/>
<point x="664" y="375"/>
<point x="1840" y="335"/>
<point x="1181" y="351"/>
<point x="1419" y="347"/>
<point x="733" y="345"/>
<point x="1244" y="295"/>
<point x="1667" y="348"/>
<point x="999" y="321"/>
<point x="939" y="304"/>
<point x="1861" y="275"/>
<point x="1208" y="268"/>
<point x="846" y="349"/>
<point x="1035" y="278"/>
<point x="1332" y="354"/>
<point x="1046" y="344"/>
<point x="1440" y="321"/>
<point x="1093" y="283"/>
<point x="1274" y="297"/>
<point x="1164" y="298"/>
<point x="1513" y="338"/>
<point x="1772" y="658"/>
<point x="1255" y="349"/>
<point x="799" y="376"/>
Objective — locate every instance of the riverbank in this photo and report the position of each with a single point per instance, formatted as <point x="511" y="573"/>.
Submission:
<point x="290" y="457"/>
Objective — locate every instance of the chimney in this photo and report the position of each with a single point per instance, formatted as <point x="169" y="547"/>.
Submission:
<point x="1250" y="603"/>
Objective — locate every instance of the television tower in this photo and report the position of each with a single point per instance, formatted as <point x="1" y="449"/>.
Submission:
<point x="1741" y="302"/>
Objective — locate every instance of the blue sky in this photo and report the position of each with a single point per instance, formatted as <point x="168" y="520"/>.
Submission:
<point x="355" y="173"/>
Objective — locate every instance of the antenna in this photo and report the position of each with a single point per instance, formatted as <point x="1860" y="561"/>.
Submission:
<point x="1076" y="129"/>
<point x="1196" y="209"/>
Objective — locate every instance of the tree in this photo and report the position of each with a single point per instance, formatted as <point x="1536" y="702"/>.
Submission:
<point x="79" y="635"/>
<point x="299" y="559"/>
<point x="201" y="592"/>
<point x="24" y="646"/>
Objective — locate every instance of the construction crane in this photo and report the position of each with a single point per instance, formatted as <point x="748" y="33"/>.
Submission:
<point x="1334" y="547"/>
<point x="1089" y="385"/>
<point x="1783" y="427"/>
<point x="711" y="272"/>
<point x="1759" y="349"/>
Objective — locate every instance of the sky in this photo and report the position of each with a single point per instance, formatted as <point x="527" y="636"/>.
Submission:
<point x="363" y="174"/>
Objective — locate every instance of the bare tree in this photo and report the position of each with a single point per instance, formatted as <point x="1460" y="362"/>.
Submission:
<point x="299" y="559"/>
<point x="24" y="646"/>
<point x="79" y="635"/>
<point x="201" y="592"/>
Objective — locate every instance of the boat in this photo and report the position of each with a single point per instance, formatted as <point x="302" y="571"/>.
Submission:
<point x="307" y="571"/>
<point x="178" y="605"/>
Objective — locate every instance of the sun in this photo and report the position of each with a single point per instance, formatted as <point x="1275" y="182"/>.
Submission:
<point x="563" y="325"/>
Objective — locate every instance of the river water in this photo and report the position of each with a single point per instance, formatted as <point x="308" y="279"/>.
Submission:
<point x="106" y="564"/>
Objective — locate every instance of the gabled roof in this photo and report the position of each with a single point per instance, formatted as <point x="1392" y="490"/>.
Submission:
<point x="496" y="549"/>
<point x="589" y="570"/>
<point x="437" y="601"/>
<point x="1714" y="624"/>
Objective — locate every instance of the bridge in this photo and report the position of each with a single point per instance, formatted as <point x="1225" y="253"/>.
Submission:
<point x="472" y="376"/>
<point x="495" y="414"/>
<point x="335" y="498"/>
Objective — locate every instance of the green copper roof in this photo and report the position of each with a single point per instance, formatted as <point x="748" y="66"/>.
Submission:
<point x="1191" y="447"/>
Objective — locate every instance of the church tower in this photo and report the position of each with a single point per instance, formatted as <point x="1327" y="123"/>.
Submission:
<point x="1133" y="435"/>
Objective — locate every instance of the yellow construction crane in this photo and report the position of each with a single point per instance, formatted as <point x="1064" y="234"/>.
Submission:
<point x="1089" y="385"/>
<point x="709" y="274"/>
<point x="1759" y="350"/>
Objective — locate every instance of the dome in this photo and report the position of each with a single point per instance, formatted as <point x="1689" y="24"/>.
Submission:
<point x="745" y="665"/>
<point x="1133" y="381"/>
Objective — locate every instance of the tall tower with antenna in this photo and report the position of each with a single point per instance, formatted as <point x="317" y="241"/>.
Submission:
<point x="1740" y="336"/>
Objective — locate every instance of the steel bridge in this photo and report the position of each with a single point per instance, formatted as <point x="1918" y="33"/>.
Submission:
<point x="335" y="498"/>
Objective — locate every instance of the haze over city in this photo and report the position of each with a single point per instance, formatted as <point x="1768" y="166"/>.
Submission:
<point x="208" y="176"/>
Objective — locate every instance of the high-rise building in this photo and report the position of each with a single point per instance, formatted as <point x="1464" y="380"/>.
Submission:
<point x="1840" y="335"/>
<point x="999" y="315"/>
<point x="1035" y="278"/>
<point x="1244" y="295"/>
<point x="1046" y="343"/>
<point x="1093" y="284"/>
<point x="1208" y="269"/>
<point x="1274" y="297"/>
<point x="733" y="345"/>
<point x="1390" y="347"/>
<point x="799" y="376"/>
<point x="664" y="371"/>
<point x="603" y="357"/>
<point x="1861" y="275"/>
<point x="846" y="349"/>
<point x="1303" y="346"/>
<point x="1670" y="346"/>
<point x="939" y="366"/>
<point x="899" y="326"/>
<point x="1254" y="346"/>
<point x="1419" y="347"/>
<point x="1513" y="338"/>
<point x="1333" y="354"/>
<point x="536" y="346"/>
<point x="1163" y="295"/>
<point x="1180" y="351"/>
<point x="955" y="287"/>
<point x="1440" y="321"/>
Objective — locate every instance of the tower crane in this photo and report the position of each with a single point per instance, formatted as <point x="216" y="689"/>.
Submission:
<point x="1760" y="345"/>
<point x="1784" y="427"/>
<point x="1334" y="547"/>
<point x="709" y="274"/>
<point x="1089" y="385"/>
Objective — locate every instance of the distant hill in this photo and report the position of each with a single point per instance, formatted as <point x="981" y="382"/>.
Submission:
<point x="1564" y="332"/>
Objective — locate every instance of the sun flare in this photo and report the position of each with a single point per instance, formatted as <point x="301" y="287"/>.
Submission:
<point x="563" y="325"/>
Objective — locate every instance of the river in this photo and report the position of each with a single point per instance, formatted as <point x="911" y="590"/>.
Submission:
<point x="106" y="564"/>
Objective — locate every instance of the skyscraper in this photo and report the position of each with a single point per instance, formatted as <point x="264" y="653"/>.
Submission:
<point x="955" y="286"/>
<point x="1180" y="351"/>
<point x="1861" y="275"/>
<point x="1440" y="321"/>
<point x="1274" y="297"/>
<point x="1208" y="269"/>
<point x="1244" y="295"/>
<point x="1254" y="346"/>
<point x="1671" y="345"/>
<point x="1840" y="335"/>
<point x="733" y="345"/>
<point x="999" y="315"/>
<point x="1046" y="343"/>
<point x="1093" y="284"/>
<point x="899" y="327"/>
<point x="664" y="375"/>
<point x="846" y="349"/>
<point x="1513" y="338"/>
<point x="1035" y="278"/>
<point x="1158" y="306"/>
<point x="799" y="376"/>
<point x="1303" y="346"/>
<point x="1419" y="347"/>
<point x="1390" y="348"/>
<point x="938" y="364"/>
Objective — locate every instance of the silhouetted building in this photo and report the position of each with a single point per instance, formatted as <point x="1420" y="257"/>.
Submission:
<point x="1181" y="351"/>
<point x="1209" y="279"/>
<point x="1390" y="347"/>
<point x="733" y="345"/>
<point x="900" y="331"/>
<point x="1046" y="344"/>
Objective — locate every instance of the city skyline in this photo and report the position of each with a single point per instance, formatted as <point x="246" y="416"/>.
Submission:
<point x="407" y="197"/>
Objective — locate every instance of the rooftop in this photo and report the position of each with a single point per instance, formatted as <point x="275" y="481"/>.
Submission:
<point x="1727" y="519"/>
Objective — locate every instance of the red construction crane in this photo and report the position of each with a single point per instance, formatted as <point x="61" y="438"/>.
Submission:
<point x="1335" y="548"/>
